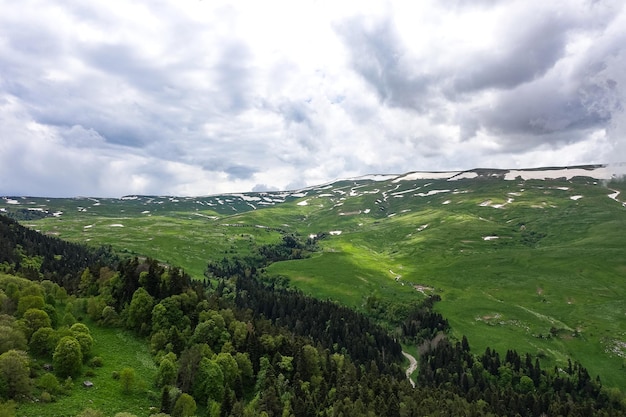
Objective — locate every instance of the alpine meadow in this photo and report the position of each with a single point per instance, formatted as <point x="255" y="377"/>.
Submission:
<point x="507" y="286"/>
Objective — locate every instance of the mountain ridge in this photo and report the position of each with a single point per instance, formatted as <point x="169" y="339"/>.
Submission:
<point x="596" y="171"/>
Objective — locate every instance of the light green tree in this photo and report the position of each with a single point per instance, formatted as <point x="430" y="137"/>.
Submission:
<point x="11" y="338"/>
<point x="86" y="343"/>
<point x="67" y="357"/>
<point x="209" y="382"/>
<point x="14" y="374"/>
<point x="29" y="301"/>
<point x="185" y="406"/>
<point x="140" y="311"/>
<point x="49" y="382"/>
<point x="245" y="368"/>
<point x="80" y="328"/>
<point x="166" y="375"/>
<point x="34" y="319"/>
<point x="127" y="379"/>
<point x="229" y="367"/>
<point x="43" y="341"/>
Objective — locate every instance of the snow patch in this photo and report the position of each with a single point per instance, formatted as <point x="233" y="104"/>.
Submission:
<point x="11" y="201"/>
<point x="245" y="197"/>
<point x="488" y="203"/>
<point x="446" y="202"/>
<point x="576" y="197"/>
<point x="116" y="225"/>
<point x="491" y="237"/>
<point x="366" y="211"/>
<point x="405" y="191"/>
<point x="335" y="232"/>
<point x="432" y="192"/>
<point x="129" y="197"/>
<point x="599" y="173"/>
<point x="145" y="212"/>
<point x="303" y="203"/>
<point x="89" y="226"/>
<point x="422" y="227"/>
<point x="426" y="176"/>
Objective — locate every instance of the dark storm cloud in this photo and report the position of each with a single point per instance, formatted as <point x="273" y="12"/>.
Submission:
<point x="379" y="56"/>
<point x="522" y="70"/>
<point x="525" y="55"/>
<point x="538" y="110"/>
<point x="240" y="171"/>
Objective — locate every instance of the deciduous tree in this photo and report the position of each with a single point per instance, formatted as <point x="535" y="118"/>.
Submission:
<point x="67" y="357"/>
<point x="140" y="311"/>
<point x="43" y="341"/>
<point x="11" y="338"/>
<point x="34" y="319"/>
<point x="185" y="406"/>
<point x="127" y="379"/>
<point x="14" y="374"/>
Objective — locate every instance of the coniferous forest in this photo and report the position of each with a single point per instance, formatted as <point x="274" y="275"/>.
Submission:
<point x="239" y="343"/>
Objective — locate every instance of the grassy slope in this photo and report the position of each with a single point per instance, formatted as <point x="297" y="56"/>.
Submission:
<point x="501" y="293"/>
<point x="118" y="349"/>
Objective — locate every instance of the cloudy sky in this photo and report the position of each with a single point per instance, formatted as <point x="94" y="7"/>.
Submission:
<point x="195" y="97"/>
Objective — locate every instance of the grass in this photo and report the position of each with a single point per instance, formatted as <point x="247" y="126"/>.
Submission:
<point x="188" y="242"/>
<point x="558" y="264"/>
<point x="118" y="349"/>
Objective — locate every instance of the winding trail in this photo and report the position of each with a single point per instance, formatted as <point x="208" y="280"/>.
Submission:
<point x="412" y="367"/>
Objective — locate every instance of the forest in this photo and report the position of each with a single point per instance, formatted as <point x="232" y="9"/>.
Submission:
<point x="240" y="343"/>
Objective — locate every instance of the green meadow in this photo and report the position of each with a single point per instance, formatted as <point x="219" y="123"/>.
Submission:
<point x="537" y="266"/>
<point x="118" y="349"/>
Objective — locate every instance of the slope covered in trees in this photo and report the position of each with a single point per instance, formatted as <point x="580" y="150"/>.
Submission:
<point x="30" y="254"/>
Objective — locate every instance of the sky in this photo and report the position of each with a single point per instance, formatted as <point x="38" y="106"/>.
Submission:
<point x="198" y="97"/>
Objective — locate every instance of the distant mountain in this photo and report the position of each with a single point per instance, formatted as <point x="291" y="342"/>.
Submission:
<point x="30" y="208"/>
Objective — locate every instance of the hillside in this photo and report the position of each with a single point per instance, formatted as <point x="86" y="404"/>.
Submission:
<point x="525" y="259"/>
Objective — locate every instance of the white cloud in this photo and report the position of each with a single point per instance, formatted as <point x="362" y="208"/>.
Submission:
<point x="204" y="97"/>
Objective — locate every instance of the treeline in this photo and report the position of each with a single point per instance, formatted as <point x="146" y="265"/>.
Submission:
<point x="325" y="322"/>
<point x="27" y="253"/>
<point x="288" y="248"/>
<point x="515" y="384"/>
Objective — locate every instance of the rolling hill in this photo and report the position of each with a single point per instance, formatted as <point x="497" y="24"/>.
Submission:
<point x="526" y="259"/>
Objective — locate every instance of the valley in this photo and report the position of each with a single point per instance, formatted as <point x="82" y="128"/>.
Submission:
<point x="531" y="260"/>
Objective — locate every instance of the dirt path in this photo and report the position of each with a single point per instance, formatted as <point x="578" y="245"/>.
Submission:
<point x="412" y="367"/>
